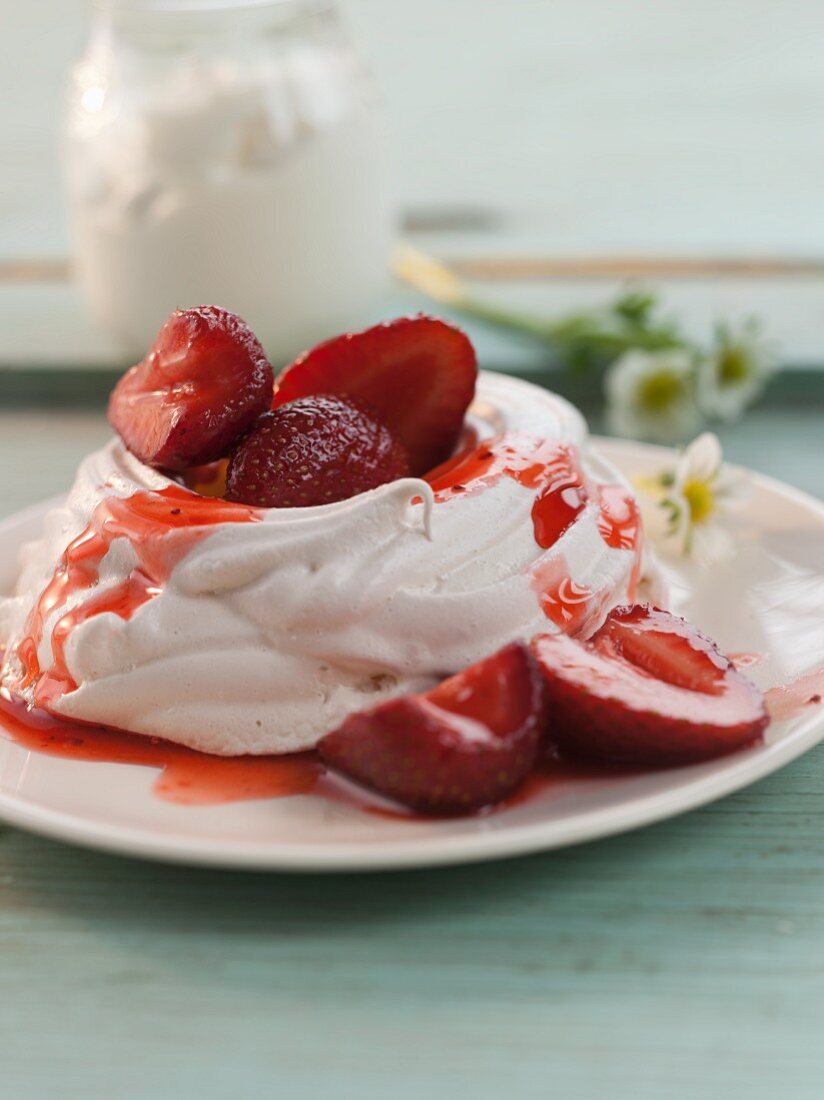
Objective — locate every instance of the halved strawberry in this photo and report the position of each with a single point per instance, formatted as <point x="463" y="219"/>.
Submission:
<point x="316" y="450"/>
<point x="417" y="374"/>
<point x="464" y="745"/>
<point x="647" y="688"/>
<point x="204" y="383"/>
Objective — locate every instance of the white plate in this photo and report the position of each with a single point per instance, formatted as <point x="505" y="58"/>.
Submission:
<point x="769" y="600"/>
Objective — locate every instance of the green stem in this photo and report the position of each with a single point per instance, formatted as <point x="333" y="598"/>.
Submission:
<point x="524" y="324"/>
<point x="582" y="339"/>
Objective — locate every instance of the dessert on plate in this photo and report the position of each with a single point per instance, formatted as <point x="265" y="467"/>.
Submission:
<point x="420" y="570"/>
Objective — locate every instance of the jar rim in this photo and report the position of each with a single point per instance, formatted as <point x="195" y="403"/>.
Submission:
<point x="197" y="7"/>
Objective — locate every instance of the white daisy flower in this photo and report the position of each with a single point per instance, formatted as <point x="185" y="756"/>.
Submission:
<point x="684" y="506"/>
<point x="650" y="395"/>
<point x="733" y="375"/>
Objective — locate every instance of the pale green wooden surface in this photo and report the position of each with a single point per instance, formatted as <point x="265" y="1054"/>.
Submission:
<point x="684" y="960"/>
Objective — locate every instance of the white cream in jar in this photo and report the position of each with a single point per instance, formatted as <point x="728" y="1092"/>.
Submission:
<point x="228" y="153"/>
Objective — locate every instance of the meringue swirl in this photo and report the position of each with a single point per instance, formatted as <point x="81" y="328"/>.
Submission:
<point x="265" y="635"/>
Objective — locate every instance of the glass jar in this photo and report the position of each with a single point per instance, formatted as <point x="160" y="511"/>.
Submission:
<point x="225" y="153"/>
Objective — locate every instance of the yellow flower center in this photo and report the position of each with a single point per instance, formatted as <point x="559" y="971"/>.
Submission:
<point x="661" y="390"/>
<point x="700" y="499"/>
<point x="733" y="366"/>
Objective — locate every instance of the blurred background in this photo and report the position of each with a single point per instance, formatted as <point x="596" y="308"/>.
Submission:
<point x="570" y="125"/>
<point x="552" y="154"/>
<point x="526" y="129"/>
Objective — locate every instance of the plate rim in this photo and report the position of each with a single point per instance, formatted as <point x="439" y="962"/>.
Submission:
<point x="744" y="769"/>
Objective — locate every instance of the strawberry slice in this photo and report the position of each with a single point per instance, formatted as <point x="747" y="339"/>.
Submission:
<point x="417" y="374"/>
<point x="313" y="451"/>
<point x="666" y="647"/>
<point x="466" y="744"/>
<point x="204" y="383"/>
<point x="647" y="688"/>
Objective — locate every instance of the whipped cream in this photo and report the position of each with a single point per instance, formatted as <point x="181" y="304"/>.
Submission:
<point x="266" y="634"/>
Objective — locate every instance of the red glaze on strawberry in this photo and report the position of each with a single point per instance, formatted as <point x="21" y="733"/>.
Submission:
<point x="647" y="688"/>
<point x="208" y="480"/>
<point x="417" y="374"/>
<point x="456" y="749"/>
<point x="313" y="451"/>
<point x="203" y="384"/>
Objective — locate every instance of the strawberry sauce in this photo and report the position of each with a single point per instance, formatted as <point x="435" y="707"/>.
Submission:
<point x="746" y="660"/>
<point x="535" y="464"/>
<point x="161" y="526"/>
<point x="619" y="524"/>
<point x="570" y="606"/>
<point x="792" y="699"/>
<point x="190" y="778"/>
<point x="186" y="777"/>
<point x="563" y="494"/>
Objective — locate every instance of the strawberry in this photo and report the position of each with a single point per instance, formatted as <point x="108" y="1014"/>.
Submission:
<point x="647" y="688"/>
<point x="466" y="744"/>
<point x="416" y="373"/>
<point x="204" y="382"/>
<point x="313" y="451"/>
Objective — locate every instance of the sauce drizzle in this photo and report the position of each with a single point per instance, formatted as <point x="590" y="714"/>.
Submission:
<point x="563" y="494"/>
<point x="186" y="777"/>
<point x="161" y="526"/>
